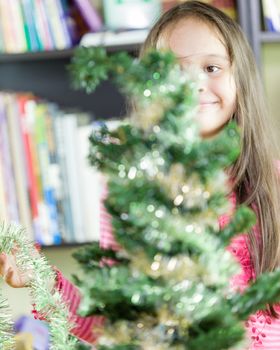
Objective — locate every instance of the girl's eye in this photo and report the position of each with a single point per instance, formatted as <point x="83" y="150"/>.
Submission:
<point x="212" y="69"/>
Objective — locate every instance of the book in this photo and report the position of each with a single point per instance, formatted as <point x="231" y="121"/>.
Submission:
<point x="271" y="16"/>
<point x="34" y="42"/>
<point x="37" y="207"/>
<point x="90" y="15"/>
<point x="57" y="181"/>
<point x="43" y="26"/>
<point x="9" y="39"/>
<point x="18" y="159"/>
<point x="89" y="186"/>
<point x="2" y="44"/>
<point x="277" y="4"/>
<point x="127" y="14"/>
<point x="65" y="20"/>
<point x="3" y="202"/>
<point x="18" y="26"/>
<point x="7" y="167"/>
<point x="111" y="38"/>
<point x="53" y="235"/>
<point x="57" y="24"/>
<point x="69" y="137"/>
<point x="64" y="204"/>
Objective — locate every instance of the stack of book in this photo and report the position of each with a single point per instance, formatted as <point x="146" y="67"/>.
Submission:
<point x="46" y="182"/>
<point x="271" y="15"/>
<point x="42" y="25"/>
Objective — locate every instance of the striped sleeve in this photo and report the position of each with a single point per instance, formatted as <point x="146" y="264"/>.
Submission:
<point x="86" y="328"/>
<point x="107" y="239"/>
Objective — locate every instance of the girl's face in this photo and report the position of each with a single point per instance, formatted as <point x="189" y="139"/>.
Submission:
<point x="199" y="47"/>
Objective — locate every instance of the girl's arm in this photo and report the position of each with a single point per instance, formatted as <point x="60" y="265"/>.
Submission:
<point x="85" y="328"/>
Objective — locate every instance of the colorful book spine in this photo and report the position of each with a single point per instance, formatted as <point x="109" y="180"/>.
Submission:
<point x="63" y="19"/>
<point x="7" y="167"/>
<point x="26" y="105"/>
<point x="33" y="41"/>
<point x="89" y="14"/>
<point x="68" y="215"/>
<point x="52" y="236"/>
<point x="43" y="26"/>
<point x="18" y="25"/>
<point x="57" y="26"/>
<point x="16" y="144"/>
<point x="45" y="237"/>
<point x="4" y="216"/>
<point x="54" y="166"/>
<point x="7" y="28"/>
<point x="46" y="182"/>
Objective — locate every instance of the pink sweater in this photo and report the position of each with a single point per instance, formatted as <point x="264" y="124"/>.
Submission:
<point x="263" y="332"/>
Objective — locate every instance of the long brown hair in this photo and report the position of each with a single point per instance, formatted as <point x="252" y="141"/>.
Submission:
<point x="256" y="182"/>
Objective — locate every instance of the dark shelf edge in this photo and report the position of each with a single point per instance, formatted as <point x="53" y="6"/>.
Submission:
<point x="39" y="55"/>
<point x="65" y="245"/>
<point x="269" y="37"/>
<point x="58" y="54"/>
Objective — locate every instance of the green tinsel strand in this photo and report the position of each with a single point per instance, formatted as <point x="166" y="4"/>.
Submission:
<point x="48" y="303"/>
<point x="6" y="326"/>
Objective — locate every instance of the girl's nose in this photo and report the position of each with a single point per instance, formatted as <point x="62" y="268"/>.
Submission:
<point x="201" y="87"/>
<point x="202" y="83"/>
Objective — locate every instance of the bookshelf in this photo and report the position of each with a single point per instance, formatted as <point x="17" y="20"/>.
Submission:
<point x="251" y="15"/>
<point x="45" y="73"/>
<point x="50" y="66"/>
<point x="269" y="37"/>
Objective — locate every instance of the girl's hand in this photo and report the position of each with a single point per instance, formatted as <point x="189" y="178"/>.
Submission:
<point x="11" y="272"/>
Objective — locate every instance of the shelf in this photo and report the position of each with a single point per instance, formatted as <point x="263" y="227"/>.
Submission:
<point x="65" y="245"/>
<point x="115" y="39"/>
<point x="59" y="54"/>
<point x="269" y="37"/>
<point x="34" y="56"/>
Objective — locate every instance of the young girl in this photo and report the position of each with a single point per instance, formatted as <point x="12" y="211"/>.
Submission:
<point x="205" y="38"/>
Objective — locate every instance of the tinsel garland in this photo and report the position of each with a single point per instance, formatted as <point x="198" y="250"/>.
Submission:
<point x="49" y="303"/>
<point x="6" y="338"/>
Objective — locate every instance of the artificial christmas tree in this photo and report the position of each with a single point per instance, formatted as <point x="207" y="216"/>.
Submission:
<point x="168" y="285"/>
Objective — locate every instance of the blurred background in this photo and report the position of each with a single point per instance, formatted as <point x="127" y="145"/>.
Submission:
<point x="58" y="200"/>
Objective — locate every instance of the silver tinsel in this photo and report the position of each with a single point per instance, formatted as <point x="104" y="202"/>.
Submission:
<point x="48" y="303"/>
